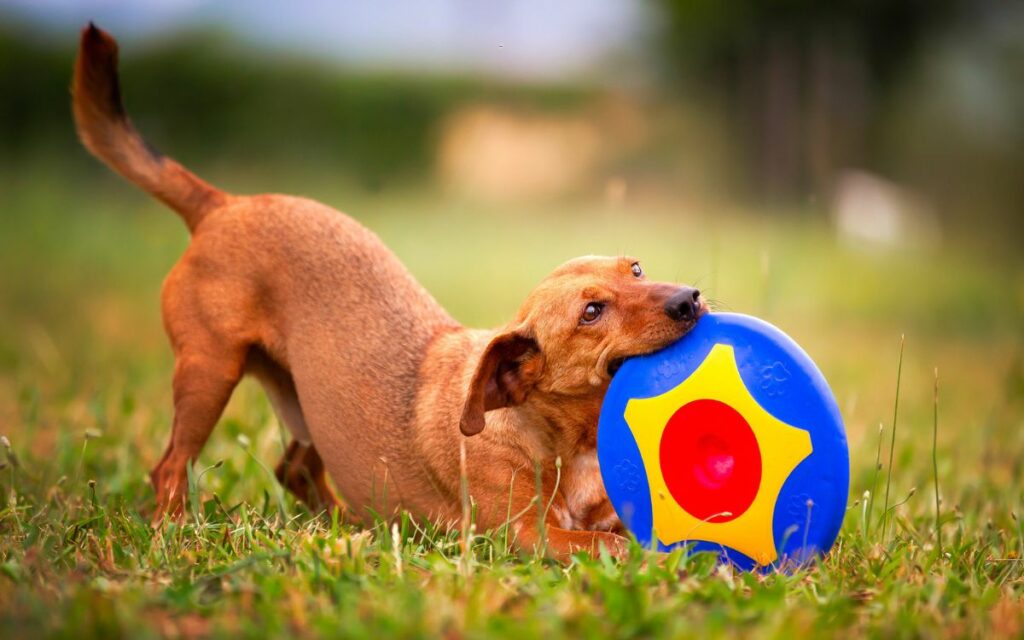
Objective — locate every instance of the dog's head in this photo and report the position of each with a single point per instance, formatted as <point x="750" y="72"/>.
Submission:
<point x="574" y="331"/>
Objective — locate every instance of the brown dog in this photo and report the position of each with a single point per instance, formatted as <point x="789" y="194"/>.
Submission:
<point x="373" y="379"/>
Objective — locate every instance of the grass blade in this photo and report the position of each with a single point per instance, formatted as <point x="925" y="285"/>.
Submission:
<point x="935" y="463"/>
<point x="892" y="443"/>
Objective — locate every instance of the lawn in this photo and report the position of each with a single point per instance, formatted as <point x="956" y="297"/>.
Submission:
<point x="85" y="411"/>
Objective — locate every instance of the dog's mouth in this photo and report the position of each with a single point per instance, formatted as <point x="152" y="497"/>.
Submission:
<point x="616" y="363"/>
<point x="614" y="366"/>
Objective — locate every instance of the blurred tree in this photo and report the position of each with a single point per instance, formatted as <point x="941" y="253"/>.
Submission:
<point x="802" y="79"/>
<point x="202" y="99"/>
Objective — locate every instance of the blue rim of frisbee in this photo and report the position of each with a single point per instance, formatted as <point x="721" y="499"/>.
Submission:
<point x="796" y="394"/>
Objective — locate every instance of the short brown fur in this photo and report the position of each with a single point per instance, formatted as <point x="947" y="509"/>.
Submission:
<point x="377" y="384"/>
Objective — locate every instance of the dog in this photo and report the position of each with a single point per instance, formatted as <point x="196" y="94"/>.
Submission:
<point x="380" y="389"/>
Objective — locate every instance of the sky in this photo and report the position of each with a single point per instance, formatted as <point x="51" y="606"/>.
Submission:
<point x="527" y="38"/>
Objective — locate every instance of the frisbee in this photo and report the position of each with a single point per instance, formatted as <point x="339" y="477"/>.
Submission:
<point x="728" y="440"/>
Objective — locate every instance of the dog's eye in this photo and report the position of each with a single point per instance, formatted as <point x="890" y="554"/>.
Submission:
<point x="591" y="312"/>
<point x="638" y="271"/>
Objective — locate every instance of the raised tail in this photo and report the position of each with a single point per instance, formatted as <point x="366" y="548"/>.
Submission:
<point x="105" y="130"/>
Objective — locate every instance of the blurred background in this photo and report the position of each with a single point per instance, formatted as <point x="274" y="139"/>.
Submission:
<point x="850" y="171"/>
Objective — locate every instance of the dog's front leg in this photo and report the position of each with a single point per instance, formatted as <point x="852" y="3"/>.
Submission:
<point x="560" y="544"/>
<point x="543" y="517"/>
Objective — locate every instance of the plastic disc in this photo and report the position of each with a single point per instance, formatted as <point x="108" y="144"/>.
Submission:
<point x="729" y="440"/>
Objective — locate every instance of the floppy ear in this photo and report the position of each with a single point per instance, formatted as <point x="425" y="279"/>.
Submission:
<point x="505" y="375"/>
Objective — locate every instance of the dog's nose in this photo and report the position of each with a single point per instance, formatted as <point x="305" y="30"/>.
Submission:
<point x="683" y="305"/>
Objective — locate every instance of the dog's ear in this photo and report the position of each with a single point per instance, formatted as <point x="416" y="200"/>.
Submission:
<point x="505" y="375"/>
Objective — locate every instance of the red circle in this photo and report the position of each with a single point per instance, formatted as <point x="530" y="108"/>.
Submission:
<point x="710" y="460"/>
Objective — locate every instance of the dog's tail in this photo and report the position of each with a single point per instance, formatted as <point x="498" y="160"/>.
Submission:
<point x="105" y="130"/>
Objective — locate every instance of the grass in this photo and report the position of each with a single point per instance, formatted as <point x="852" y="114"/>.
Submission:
<point x="892" y="443"/>
<point x="85" y="409"/>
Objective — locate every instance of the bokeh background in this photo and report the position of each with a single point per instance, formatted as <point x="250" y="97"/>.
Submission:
<point x="850" y="171"/>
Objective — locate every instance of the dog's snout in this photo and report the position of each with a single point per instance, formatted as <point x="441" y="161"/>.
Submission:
<point x="684" y="304"/>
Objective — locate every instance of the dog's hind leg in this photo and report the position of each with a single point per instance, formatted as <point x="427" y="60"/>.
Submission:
<point x="301" y="470"/>
<point x="205" y="320"/>
<point x="205" y="374"/>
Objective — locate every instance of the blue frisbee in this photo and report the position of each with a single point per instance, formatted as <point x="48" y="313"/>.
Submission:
<point x="728" y="440"/>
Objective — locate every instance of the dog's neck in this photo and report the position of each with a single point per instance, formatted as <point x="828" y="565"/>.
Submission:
<point x="564" y="425"/>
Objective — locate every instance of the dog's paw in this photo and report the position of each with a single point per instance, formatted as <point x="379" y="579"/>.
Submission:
<point x="615" y="545"/>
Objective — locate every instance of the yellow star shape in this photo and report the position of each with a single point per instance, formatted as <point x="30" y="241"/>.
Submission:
<point x="782" y="448"/>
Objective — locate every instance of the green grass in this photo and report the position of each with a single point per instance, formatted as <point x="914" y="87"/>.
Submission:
<point x="85" y="405"/>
